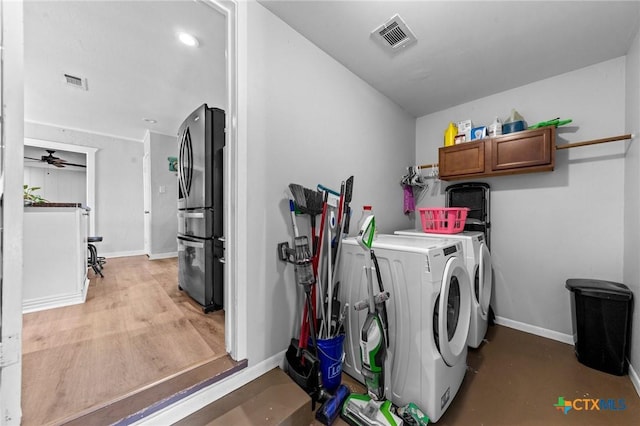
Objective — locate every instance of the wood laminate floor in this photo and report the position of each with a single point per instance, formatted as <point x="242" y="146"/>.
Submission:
<point x="135" y="330"/>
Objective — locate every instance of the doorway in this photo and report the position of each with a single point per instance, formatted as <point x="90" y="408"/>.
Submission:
<point x="89" y="154"/>
<point x="233" y="346"/>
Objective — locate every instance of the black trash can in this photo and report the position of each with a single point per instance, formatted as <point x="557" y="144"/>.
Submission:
<point x="601" y="314"/>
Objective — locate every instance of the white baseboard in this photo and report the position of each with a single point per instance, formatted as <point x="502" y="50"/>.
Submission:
<point x="635" y="379"/>
<point x="538" y="331"/>
<point x="560" y="337"/>
<point x="122" y="253"/>
<point x="202" y="398"/>
<point x="42" y="303"/>
<point x="163" y="255"/>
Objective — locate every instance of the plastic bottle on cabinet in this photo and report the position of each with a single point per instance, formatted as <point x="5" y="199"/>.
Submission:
<point x="366" y="212"/>
<point x="495" y="129"/>
<point x="450" y="134"/>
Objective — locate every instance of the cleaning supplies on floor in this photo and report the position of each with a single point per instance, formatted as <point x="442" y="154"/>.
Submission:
<point x="412" y="415"/>
<point x="330" y="409"/>
<point x="372" y="408"/>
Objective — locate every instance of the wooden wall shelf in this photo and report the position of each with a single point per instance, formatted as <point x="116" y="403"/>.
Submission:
<point x="528" y="151"/>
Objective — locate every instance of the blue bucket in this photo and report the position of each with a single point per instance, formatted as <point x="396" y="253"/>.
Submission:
<point x="330" y="354"/>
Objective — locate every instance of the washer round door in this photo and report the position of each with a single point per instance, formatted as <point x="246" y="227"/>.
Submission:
<point x="453" y="311"/>
<point x="486" y="281"/>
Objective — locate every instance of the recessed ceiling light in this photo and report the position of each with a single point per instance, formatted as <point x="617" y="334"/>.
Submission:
<point x="188" y="39"/>
<point x="150" y="120"/>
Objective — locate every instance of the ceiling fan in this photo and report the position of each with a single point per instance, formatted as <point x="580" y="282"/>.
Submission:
<point x="54" y="161"/>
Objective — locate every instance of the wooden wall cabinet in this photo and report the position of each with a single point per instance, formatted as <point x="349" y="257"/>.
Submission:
<point x="520" y="152"/>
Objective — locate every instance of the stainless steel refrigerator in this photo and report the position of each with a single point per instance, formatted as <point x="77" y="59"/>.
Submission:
<point x="201" y="140"/>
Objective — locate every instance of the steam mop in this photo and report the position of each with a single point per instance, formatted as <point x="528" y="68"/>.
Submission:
<point x="371" y="408"/>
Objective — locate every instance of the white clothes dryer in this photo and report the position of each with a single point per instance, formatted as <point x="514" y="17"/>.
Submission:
<point x="478" y="261"/>
<point x="428" y="316"/>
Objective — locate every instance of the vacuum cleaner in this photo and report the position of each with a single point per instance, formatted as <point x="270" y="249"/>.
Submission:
<point x="371" y="408"/>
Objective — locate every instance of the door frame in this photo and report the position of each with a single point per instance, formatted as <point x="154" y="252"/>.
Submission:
<point x="11" y="181"/>
<point x="235" y="189"/>
<point x="11" y="178"/>
<point x="146" y="183"/>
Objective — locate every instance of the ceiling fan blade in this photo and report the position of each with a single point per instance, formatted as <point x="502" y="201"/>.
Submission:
<point x="74" y="164"/>
<point x="57" y="161"/>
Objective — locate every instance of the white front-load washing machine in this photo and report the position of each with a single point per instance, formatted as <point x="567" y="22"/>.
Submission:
<point x="428" y="316"/>
<point x="478" y="261"/>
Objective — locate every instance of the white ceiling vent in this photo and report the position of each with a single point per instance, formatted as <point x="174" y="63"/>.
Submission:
<point x="78" y="82"/>
<point x="394" y="34"/>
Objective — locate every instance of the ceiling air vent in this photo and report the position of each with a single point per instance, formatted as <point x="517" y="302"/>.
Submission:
<point x="394" y="34"/>
<point x="78" y="82"/>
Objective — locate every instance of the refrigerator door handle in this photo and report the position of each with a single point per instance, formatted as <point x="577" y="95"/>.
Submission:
<point x="181" y="167"/>
<point x="190" y="243"/>
<point x="191" y="215"/>
<point x="185" y="160"/>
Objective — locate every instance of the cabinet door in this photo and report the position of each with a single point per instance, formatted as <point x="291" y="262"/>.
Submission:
<point x="523" y="149"/>
<point x="463" y="159"/>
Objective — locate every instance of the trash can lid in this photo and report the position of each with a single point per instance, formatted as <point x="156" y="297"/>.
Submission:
<point x="599" y="288"/>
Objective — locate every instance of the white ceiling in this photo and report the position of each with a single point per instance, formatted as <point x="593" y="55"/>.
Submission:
<point x="466" y="49"/>
<point x="129" y="53"/>
<point x="136" y="69"/>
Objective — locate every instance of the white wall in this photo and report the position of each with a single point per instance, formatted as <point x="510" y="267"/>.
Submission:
<point x="632" y="196"/>
<point x="58" y="185"/>
<point x="164" y="195"/>
<point x="310" y="121"/>
<point x="119" y="190"/>
<point x="548" y="227"/>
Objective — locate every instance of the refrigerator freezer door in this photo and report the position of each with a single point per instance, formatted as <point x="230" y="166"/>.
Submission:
<point x="200" y="272"/>
<point x="196" y="223"/>
<point x="201" y="139"/>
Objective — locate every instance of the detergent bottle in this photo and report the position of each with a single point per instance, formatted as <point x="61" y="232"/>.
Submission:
<point x="366" y="212"/>
<point x="495" y="129"/>
<point x="450" y="134"/>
